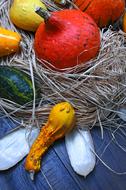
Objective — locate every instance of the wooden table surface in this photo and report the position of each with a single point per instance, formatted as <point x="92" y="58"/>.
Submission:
<point x="57" y="174"/>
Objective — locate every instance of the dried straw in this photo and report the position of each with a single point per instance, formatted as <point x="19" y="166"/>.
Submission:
<point x="95" y="93"/>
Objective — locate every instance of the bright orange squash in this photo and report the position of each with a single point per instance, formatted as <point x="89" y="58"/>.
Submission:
<point x="66" y="39"/>
<point x="124" y="22"/>
<point x="104" y="12"/>
<point x="9" y="42"/>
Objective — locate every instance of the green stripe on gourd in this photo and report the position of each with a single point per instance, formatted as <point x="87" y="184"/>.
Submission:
<point x="15" y="85"/>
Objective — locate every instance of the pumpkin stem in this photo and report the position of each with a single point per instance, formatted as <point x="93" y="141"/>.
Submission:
<point x="60" y="2"/>
<point x="43" y="13"/>
<point x="53" y="22"/>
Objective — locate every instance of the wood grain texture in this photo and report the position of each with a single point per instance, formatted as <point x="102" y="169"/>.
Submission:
<point x="57" y="174"/>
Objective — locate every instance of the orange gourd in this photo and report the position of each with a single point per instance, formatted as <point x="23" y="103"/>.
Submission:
<point x="9" y="42"/>
<point x="104" y="12"/>
<point x="124" y="22"/>
<point x="61" y="120"/>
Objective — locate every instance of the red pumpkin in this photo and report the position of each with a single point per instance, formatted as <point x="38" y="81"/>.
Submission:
<point x="67" y="38"/>
<point x="104" y="12"/>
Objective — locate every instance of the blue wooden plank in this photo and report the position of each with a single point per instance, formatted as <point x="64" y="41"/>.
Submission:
<point x="101" y="178"/>
<point x="56" y="172"/>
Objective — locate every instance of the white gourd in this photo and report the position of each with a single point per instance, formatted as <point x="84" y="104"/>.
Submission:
<point x="80" y="148"/>
<point x="14" y="147"/>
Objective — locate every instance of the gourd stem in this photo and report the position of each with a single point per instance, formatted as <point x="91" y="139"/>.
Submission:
<point x="43" y="13"/>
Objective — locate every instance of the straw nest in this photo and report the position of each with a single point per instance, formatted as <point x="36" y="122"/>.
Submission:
<point x="95" y="92"/>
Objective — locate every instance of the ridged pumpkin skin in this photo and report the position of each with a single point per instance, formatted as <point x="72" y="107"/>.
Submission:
<point x="104" y="12"/>
<point x="124" y="22"/>
<point x="68" y="38"/>
<point x="15" y="85"/>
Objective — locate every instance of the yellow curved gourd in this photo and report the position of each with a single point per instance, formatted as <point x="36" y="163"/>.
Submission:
<point x="61" y="120"/>
<point x="22" y="14"/>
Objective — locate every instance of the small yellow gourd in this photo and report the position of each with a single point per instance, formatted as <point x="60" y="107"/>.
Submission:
<point x="22" y="14"/>
<point x="61" y="120"/>
<point x="9" y="41"/>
